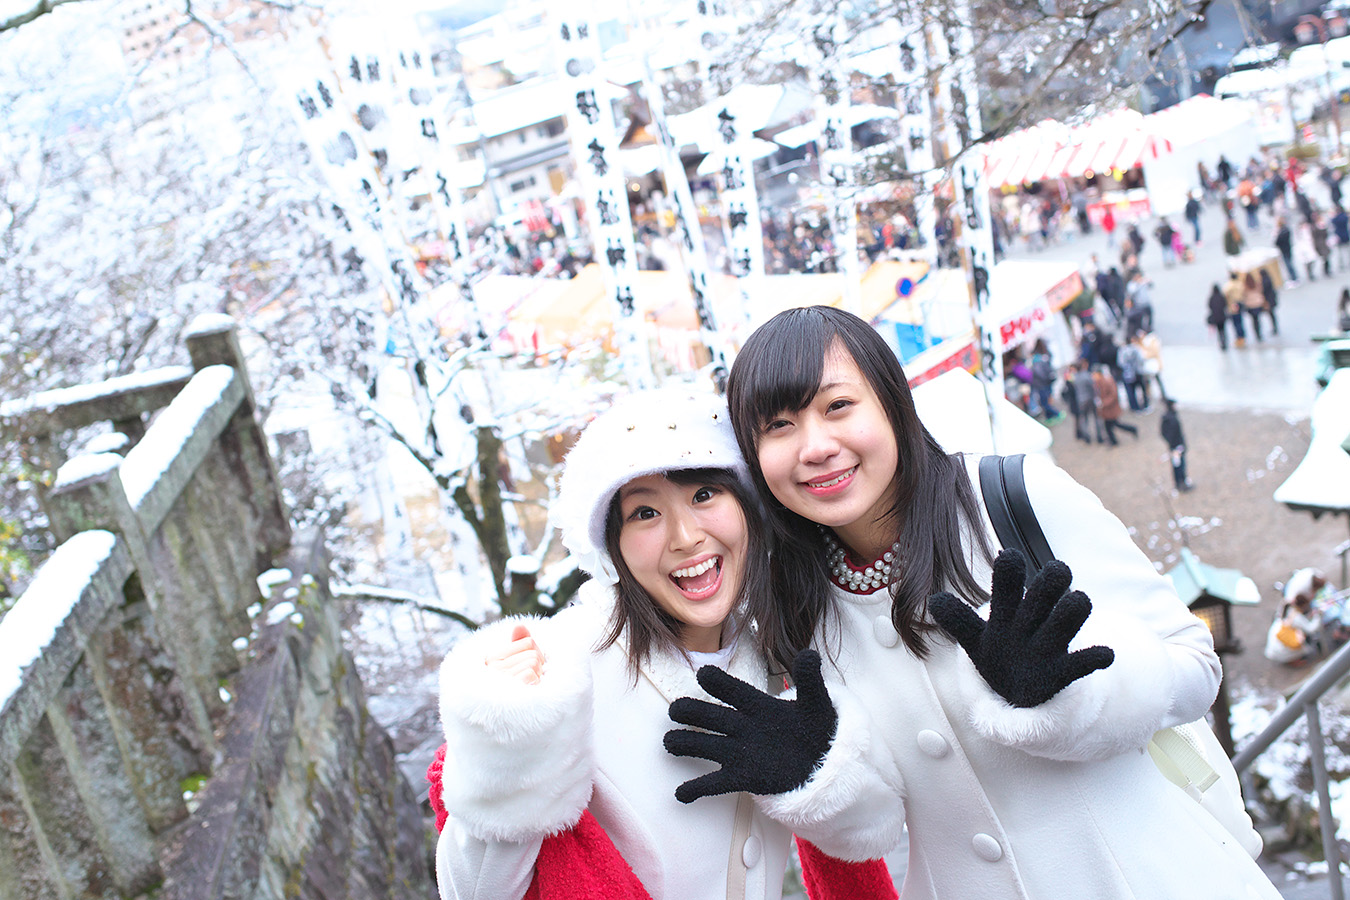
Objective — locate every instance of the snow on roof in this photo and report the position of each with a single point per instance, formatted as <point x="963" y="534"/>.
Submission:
<point x="1255" y="56"/>
<point x="519" y="106"/>
<point x="1321" y="482"/>
<point x="149" y="460"/>
<point x="1316" y="56"/>
<point x="1255" y="81"/>
<point x="31" y="624"/>
<point x="753" y="106"/>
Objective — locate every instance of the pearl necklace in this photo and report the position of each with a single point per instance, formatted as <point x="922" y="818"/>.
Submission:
<point x="859" y="581"/>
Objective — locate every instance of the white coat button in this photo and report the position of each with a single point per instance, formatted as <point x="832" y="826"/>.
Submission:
<point x="986" y="848"/>
<point x="750" y="851"/>
<point x="933" y="744"/>
<point x="885" y="632"/>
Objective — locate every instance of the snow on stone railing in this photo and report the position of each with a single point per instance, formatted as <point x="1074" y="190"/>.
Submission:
<point x="111" y="661"/>
<point x="122" y="400"/>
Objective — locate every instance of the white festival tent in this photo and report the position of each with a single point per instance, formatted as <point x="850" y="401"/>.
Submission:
<point x="1200" y="130"/>
<point x="1166" y="144"/>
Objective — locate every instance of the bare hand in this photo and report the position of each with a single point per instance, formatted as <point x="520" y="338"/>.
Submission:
<point x="522" y="658"/>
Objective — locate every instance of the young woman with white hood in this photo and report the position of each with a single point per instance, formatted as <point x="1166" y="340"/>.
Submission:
<point x="555" y="781"/>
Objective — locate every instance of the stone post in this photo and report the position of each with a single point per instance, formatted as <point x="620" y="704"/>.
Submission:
<point x="214" y="340"/>
<point x="164" y="725"/>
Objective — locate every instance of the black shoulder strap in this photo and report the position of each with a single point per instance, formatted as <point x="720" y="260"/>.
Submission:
<point x="1005" y="499"/>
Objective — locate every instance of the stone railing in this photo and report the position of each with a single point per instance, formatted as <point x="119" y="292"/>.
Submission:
<point x="165" y="730"/>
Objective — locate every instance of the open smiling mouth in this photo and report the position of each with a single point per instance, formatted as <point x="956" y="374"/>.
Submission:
<point x="832" y="482"/>
<point x="699" y="579"/>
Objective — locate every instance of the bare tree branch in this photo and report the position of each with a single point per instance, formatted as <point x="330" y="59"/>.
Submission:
<point x="389" y="595"/>
<point x="39" y="9"/>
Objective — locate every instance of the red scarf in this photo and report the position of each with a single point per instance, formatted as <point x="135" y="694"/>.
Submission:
<point x="582" y="863"/>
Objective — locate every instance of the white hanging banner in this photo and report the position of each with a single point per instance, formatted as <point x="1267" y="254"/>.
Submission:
<point x="414" y="115"/>
<point x="327" y="128"/>
<point x="740" y="200"/>
<point x="595" y="145"/>
<point x="742" y="224"/>
<point x="916" y="128"/>
<point x="336" y="136"/>
<point x="415" y="83"/>
<point x="959" y="124"/>
<point x="838" y="180"/>
<point x="713" y="323"/>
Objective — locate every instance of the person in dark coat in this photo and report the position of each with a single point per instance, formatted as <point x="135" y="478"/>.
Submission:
<point x="1272" y="297"/>
<point x="1164" y="235"/>
<point x="1192" y="213"/>
<point x="1320" y="242"/>
<point x="1340" y="226"/>
<point x="1170" y="428"/>
<point x="1218" y="315"/>
<point x="1105" y="290"/>
<point x="1305" y="207"/>
<point x="1233" y="242"/>
<point x="1086" y="422"/>
<point x="1225" y="171"/>
<point x="1135" y="238"/>
<point x="1284" y="242"/>
<point x="1089" y="345"/>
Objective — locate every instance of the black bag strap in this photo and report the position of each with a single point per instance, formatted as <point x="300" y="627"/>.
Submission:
<point x="1004" y="486"/>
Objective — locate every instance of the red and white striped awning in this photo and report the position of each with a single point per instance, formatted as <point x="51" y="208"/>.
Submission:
<point x="1117" y="141"/>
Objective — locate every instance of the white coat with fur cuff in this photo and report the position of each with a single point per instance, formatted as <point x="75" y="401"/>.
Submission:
<point x="678" y="851"/>
<point x="518" y="761"/>
<point x="1059" y="800"/>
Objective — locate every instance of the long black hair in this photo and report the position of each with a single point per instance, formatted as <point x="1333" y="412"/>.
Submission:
<point x="780" y="368"/>
<point x="648" y="625"/>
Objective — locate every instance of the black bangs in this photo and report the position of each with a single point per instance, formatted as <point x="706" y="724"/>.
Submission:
<point x="709" y="476"/>
<point x="783" y="359"/>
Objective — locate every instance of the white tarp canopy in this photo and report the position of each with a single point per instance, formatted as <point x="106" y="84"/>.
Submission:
<point x="1200" y="129"/>
<point x="953" y="408"/>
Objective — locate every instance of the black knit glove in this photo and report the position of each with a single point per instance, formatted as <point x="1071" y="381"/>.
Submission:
<point x="765" y="745"/>
<point x="1023" y="651"/>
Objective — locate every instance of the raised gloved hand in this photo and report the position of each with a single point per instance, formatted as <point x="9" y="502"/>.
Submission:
<point x="765" y="745"/>
<point x="1023" y="651"/>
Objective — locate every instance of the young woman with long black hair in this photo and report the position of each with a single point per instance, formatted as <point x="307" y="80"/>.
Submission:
<point x="1014" y="719"/>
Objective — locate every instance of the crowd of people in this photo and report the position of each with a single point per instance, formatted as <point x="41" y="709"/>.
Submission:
<point x="1299" y="211"/>
<point x="1117" y="365"/>
<point x="1115" y="372"/>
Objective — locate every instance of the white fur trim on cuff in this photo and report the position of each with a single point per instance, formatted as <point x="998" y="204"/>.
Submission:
<point x="1102" y="714"/>
<point x="847" y="808"/>
<point x="518" y="760"/>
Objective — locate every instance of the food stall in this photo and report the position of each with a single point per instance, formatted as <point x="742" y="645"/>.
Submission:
<point x="932" y="329"/>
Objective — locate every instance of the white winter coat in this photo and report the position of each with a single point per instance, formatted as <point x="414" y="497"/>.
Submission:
<point x="1058" y="801"/>
<point x="523" y="761"/>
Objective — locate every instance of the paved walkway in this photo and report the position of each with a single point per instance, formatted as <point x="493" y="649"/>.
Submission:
<point x="1245" y="416"/>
